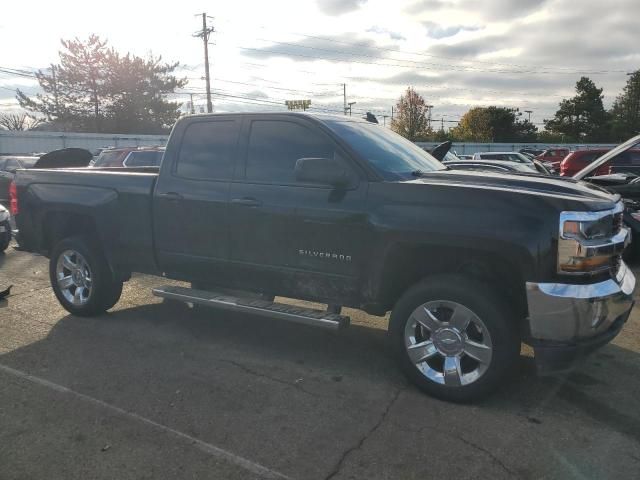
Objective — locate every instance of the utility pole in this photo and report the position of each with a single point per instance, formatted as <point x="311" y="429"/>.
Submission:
<point x="204" y="34"/>
<point x="384" y="120"/>
<point x="193" y="108"/>
<point x="55" y="91"/>
<point x="442" y="124"/>
<point x="429" y="107"/>
<point x="344" y="97"/>
<point x="392" y="113"/>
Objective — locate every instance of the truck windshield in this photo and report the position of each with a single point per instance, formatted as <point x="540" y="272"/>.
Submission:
<point x="392" y="155"/>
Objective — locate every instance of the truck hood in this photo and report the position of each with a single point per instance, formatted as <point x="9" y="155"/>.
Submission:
<point x="542" y="185"/>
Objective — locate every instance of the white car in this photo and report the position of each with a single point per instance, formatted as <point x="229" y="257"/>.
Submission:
<point x="504" y="156"/>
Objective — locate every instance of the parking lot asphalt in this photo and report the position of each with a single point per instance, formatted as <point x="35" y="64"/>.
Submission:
<point x="156" y="390"/>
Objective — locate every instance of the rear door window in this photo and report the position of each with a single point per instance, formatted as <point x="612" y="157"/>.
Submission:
<point x="208" y="150"/>
<point x="275" y="146"/>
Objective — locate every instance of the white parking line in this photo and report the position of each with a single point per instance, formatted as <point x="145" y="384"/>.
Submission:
<point x="212" y="450"/>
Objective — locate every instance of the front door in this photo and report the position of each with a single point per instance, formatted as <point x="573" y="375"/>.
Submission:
<point x="296" y="238"/>
<point x="191" y="198"/>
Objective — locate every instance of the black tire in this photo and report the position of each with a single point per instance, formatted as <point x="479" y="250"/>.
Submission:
<point x="489" y="309"/>
<point x="104" y="292"/>
<point x="5" y="237"/>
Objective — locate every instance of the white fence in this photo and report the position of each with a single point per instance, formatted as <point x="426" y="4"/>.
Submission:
<point x="31" y="142"/>
<point x="462" y="148"/>
<point x="38" y="142"/>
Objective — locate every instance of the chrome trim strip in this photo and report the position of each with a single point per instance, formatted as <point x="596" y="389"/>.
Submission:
<point x="295" y="314"/>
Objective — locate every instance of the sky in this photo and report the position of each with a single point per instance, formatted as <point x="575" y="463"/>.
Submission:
<point x="525" y="54"/>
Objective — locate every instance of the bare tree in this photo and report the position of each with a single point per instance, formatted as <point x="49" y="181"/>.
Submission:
<point x="18" y="122"/>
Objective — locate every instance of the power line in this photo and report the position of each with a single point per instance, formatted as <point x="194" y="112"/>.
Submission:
<point x="421" y="65"/>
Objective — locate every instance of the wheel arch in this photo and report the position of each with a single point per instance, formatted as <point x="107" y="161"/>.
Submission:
<point x="407" y="264"/>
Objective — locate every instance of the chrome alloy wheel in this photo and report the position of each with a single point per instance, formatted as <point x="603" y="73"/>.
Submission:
<point x="448" y="343"/>
<point x="74" y="277"/>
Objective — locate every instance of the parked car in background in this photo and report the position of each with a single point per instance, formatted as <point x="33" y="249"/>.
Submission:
<point x="533" y="152"/>
<point x="626" y="184"/>
<point x="129" y="157"/>
<point x="504" y="156"/>
<point x="465" y="157"/>
<point x="5" y="229"/>
<point x="515" y="157"/>
<point x="625" y="162"/>
<point x="553" y="157"/>
<point x="499" y="166"/>
<point x="8" y="166"/>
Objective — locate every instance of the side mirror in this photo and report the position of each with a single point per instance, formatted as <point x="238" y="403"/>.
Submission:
<point x="326" y="171"/>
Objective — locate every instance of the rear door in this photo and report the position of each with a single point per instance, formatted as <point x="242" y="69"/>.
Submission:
<point x="297" y="239"/>
<point x="190" y="200"/>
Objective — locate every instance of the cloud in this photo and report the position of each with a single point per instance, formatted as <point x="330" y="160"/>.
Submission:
<point x="257" y="94"/>
<point x="384" y="31"/>
<point x="437" y="31"/>
<point x="426" y="6"/>
<point x="338" y="7"/>
<point x="345" y="46"/>
<point x="489" y="9"/>
<point x="402" y="79"/>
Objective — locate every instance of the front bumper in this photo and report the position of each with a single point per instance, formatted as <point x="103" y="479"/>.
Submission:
<point x="567" y="321"/>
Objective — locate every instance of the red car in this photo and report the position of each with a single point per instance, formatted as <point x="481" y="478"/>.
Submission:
<point x="553" y="157"/>
<point x="626" y="162"/>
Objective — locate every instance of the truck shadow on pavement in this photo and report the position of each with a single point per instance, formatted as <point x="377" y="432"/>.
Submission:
<point x="162" y="339"/>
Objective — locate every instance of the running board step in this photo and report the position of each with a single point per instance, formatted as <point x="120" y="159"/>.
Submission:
<point x="291" y="313"/>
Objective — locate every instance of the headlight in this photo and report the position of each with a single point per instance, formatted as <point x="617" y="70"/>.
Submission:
<point x="590" y="242"/>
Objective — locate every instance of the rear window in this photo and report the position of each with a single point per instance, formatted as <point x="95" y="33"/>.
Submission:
<point x="144" y="159"/>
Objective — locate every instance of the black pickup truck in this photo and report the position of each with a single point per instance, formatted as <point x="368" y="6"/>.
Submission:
<point x="346" y="213"/>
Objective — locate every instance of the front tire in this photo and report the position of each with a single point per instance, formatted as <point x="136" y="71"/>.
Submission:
<point x="454" y="338"/>
<point x="81" y="278"/>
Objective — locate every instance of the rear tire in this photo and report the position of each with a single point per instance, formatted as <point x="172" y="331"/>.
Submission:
<point x="454" y="338"/>
<point x="81" y="278"/>
<point x="5" y="237"/>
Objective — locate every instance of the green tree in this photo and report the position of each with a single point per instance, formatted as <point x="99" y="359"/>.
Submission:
<point x="18" y="122"/>
<point x="625" y="113"/>
<point x="493" y="124"/>
<point x="411" y="118"/>
<point x="581" y="118"/>
<point x="95" y="89"/>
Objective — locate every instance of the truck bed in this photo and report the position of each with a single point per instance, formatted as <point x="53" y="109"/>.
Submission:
<point x="117" y="200"/>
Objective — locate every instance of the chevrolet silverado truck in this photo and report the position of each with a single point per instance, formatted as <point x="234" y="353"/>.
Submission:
<point x="343" y="212"/>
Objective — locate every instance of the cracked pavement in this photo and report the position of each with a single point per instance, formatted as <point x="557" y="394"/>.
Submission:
<point x="156" y="390"/>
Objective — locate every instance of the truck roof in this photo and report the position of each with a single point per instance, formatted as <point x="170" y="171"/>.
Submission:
<point x="323" y="117"/>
